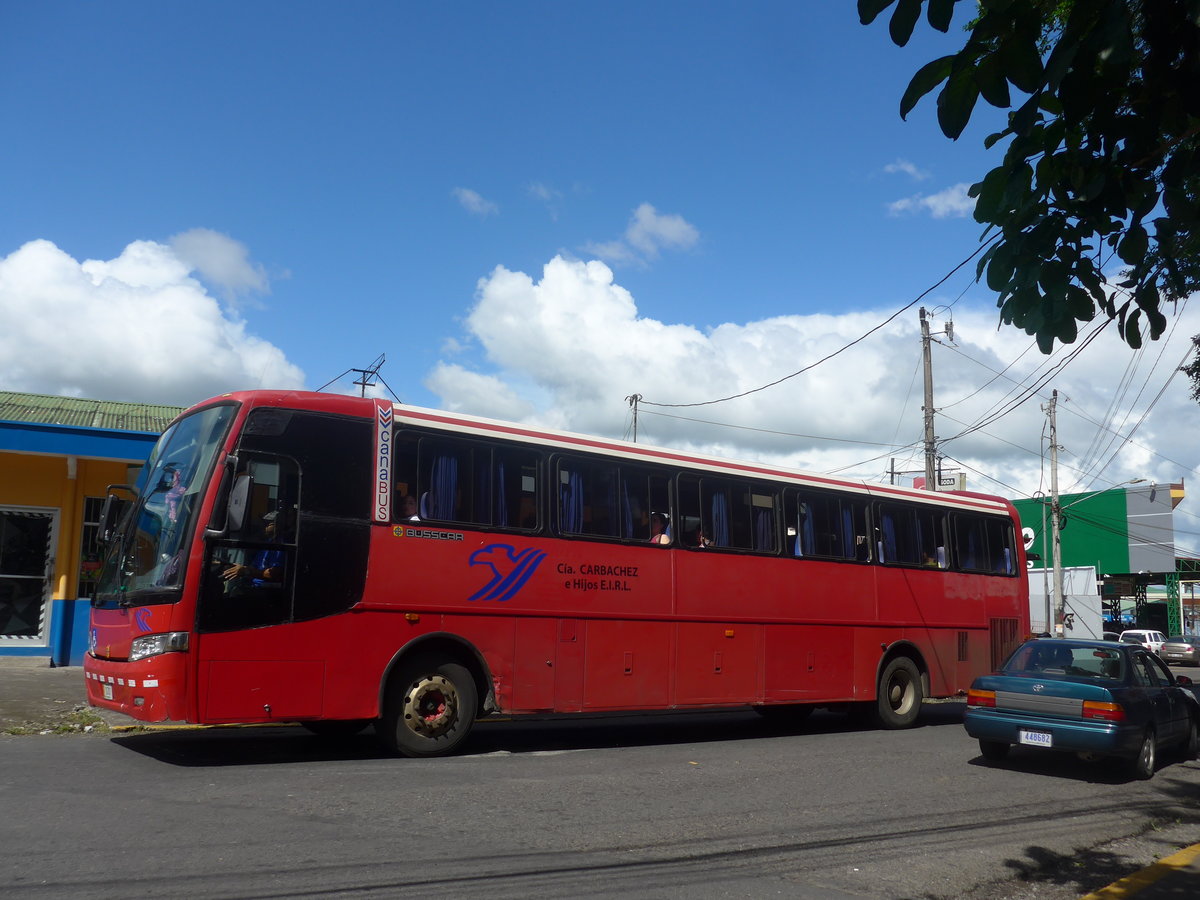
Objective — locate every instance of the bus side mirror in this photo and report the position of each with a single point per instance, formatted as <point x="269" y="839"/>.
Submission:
<point x="231" y="501"/>
<point x="112" y="512"/>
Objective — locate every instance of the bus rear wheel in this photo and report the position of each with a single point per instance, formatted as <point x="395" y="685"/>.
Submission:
<point x="429" y="709"/>
<point x="898" y="701"/>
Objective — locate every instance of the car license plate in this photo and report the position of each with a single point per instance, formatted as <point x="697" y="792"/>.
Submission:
<point x="1175" y="655"/>
<point x="1037" y="738"/>
<point x="108" y="692"/>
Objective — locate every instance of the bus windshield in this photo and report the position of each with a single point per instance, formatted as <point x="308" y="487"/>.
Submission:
<point x="146" y="558"/>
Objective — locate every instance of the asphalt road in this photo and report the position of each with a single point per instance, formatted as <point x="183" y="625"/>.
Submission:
<point x="697" y="806"/>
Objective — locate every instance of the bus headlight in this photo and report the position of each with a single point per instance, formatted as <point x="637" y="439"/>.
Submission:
<point x="155" y="644"/>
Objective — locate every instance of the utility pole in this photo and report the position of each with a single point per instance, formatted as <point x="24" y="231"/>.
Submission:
<point x="633" y="400"/>
<point x="930" y="440"/>
<point x="1055" y="523"/>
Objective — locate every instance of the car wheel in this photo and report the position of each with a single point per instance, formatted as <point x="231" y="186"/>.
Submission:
<point x="993" y="750"/>
<point x="1142" y="765"/>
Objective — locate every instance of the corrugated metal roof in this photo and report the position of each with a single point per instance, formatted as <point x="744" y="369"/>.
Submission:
<point x="46" y="409"/>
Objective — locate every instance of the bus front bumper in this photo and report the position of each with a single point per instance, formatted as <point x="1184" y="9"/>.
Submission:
<point x="149" y="690"/>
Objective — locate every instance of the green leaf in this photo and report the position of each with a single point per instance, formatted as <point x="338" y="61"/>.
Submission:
<point x="992" y="139"/>
<point x="904" y="19"/>
<point x="1080" y="304"/>
<point x="956" y="102"/>
<point x="1130" y="330"/>
<point x="1067" y="330"/>
<point x="927" y="78"/>
<point x="940" y="13"/>
<point x="869" y="9"/>
<point x="1020" y="61"/>
<point x="1000" y="270"/>
<point x="1133" y="246"/>
<point x="990" y="194"/>
<point x="1158" y="323"/>
<point x="992" y="84"/>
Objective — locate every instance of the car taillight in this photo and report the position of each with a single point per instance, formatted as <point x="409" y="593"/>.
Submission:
<point x="1109" y="712"/>
<point x="981" y="698"/>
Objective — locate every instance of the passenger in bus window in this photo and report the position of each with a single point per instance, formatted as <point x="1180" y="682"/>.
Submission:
<point x="658" y="529"/>
<point x="408" y="508"/>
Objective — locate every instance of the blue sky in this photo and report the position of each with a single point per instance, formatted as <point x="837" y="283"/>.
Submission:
<point x="533" y="210"/>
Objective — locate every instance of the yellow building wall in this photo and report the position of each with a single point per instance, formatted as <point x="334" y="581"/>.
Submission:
<point x="45" y="481"/>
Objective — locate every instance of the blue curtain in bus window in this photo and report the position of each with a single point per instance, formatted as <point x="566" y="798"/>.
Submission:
<point x="612" y="506"/>
<point x="972" y="556"/>
<point x="444" y="487"/>
<point x="764" y="529"/>
<point x="626" y="510"/>
<point x="720" y="518"/>
<point x="889" y="538"/>
<point x="805" y="538"/>
<point x="501" y="500"/>
<point x="571" y="511"/>
<point x="847" y="532"/>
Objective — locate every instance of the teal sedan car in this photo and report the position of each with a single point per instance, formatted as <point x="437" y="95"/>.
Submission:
<point x="1094" y="698"/>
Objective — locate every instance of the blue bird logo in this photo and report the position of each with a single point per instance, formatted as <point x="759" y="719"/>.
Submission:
<point x="510" y="570"/>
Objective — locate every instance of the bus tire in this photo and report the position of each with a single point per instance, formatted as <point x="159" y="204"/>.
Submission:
<point x="335" y="728"/>
<point x="898" y="701"/>
<point x="429" y="708"/>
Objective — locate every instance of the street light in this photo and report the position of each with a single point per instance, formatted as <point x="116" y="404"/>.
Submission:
<point x="1056" y="538"/>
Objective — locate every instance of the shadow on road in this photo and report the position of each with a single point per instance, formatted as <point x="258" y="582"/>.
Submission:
<point x="259" y="745"/>
<point x="1049" y="764"/>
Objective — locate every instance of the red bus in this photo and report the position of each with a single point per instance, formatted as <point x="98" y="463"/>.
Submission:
<point x="338" y="561"/>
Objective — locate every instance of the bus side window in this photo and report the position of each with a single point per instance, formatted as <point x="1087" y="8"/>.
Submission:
<point x="515" y="480"/>
<point x="404" y="477"/>
<point x="931" y="537"/>
<point x="688" y="499"/>
<point x="587" y="501"/>
<point x="984" y="544"/>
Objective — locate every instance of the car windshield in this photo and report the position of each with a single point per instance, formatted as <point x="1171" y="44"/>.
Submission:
<point x="1060" y="658"/>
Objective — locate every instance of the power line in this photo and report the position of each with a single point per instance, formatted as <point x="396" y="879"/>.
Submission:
<point x="839" y="351"/>
<point x="811" y="437"/>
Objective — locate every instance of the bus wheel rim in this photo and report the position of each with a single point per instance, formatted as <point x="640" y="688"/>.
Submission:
<point x="431" y="706"/>
<point x="900" y="692"/>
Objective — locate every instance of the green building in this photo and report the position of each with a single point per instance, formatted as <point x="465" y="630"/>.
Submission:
<point x="1127" y="535"/>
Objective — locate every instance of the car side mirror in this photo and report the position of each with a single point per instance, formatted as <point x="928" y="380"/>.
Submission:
<point x="1183" y="681"/>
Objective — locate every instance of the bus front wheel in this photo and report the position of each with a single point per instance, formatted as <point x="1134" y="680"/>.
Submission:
<point x="429" y="708"/>
<point x="898" y="701"/>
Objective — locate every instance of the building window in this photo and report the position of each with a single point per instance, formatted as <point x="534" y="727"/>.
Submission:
<point x="90" y="552"/>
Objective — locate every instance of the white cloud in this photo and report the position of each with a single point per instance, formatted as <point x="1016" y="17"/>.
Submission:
<point x="904" y="167"/>
<point x="647" y="234"/>
<point x="221" y="261"/>
<point x="138" y="327"/>
<point x="566" y="350"/>
<point x="952" y="202"/>
<point x="474" y="203"/>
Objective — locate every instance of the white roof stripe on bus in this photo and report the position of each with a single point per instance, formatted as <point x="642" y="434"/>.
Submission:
<point x="482" y="427"/>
